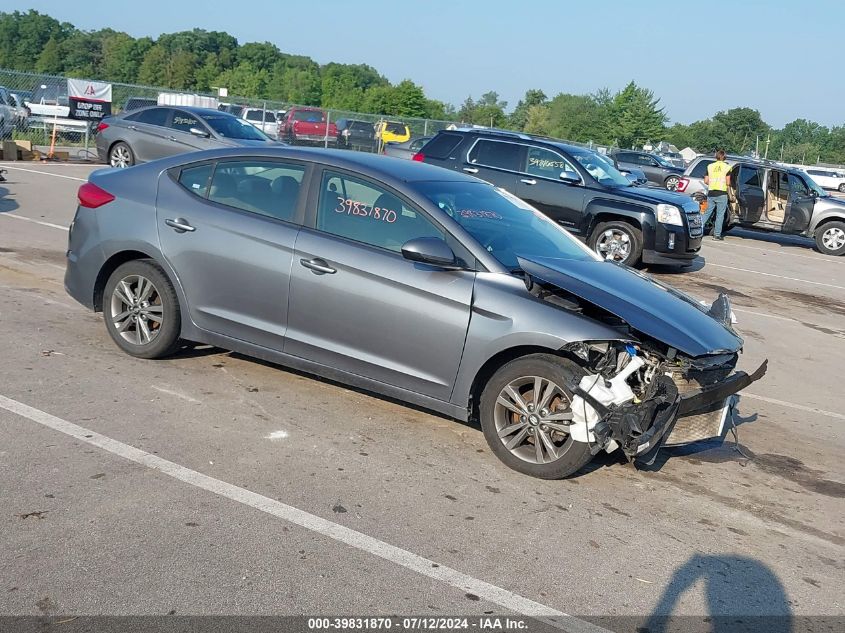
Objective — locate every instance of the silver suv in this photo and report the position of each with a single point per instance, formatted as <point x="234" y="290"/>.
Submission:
<point x="772" y="197"/>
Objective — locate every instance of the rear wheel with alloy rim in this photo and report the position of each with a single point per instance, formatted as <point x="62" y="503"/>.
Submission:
<point x="842" y="188"/>
<point x="141" y="310"/>
<point x="525" y="415"/>
<point x="672" y="182"/>
<point x="617" y="241"/>
<point x="121" y="156"/>
<point x="830" y="238"/>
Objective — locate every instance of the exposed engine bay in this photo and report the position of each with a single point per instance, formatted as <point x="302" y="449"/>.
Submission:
<point x="638" y="387"/>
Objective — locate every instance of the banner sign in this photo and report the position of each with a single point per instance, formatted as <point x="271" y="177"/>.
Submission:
<point x="89" y="100"/>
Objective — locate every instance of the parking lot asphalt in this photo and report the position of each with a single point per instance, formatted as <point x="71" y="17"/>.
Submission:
<point x="211" y="483"/>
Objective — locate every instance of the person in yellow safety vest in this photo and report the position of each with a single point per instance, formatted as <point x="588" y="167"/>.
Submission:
<point x="718" y="179"/>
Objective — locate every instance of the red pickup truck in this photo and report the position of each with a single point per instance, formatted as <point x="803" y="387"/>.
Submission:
<point x="307" y="125"/>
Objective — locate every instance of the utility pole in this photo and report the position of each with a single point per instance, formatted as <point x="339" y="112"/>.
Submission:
<point x="768" y="140"/>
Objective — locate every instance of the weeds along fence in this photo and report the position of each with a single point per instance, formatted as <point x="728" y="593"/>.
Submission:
<point x="52" y="90"/>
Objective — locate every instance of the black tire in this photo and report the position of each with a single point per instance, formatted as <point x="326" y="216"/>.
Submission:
<point x="121" y="155"/>
<point x="671" y="183"/>
<point x="634" y="237"/>
<point x="826" y="236"/>
<point x="161" y="300"/>
<point x="572" y="455"/>
<point x="842" y="188"/>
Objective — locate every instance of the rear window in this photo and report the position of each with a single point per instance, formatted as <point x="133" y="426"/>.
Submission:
<point x="259" y="115"/>
<point x="313" y="116"/>
<point x="441" y="146"/>
<point x="396" y="128"/>
<point x="153" y="116"/>
<point x="700" y="170"/>
<point x="195" y="179"/>
<point x="361" y="126"/>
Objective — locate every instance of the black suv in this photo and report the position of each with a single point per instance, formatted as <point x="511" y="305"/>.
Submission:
<point x="580" y="190"/>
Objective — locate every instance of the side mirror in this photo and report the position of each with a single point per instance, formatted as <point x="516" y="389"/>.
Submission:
<point x="430" y="250"/>
<point x="198" y="132"/>
<point x="569" y="177"/>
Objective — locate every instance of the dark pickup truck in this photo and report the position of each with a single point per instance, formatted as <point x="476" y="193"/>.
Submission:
<point x="580" y="190"/>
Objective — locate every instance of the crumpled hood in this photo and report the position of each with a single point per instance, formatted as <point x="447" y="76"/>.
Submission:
<point x="645" y="304"/>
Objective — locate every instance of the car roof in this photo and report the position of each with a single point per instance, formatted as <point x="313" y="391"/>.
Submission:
<point x="499" y="134"/>
<point x="192" y="109"/>
<point x="365" y="163"/>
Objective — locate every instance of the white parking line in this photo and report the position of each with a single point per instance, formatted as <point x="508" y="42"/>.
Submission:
<point x="762" y="314"/>
<point x="465" y="583"/>
<point x="177" y="394"/>
<point x="45" y="173"/>
<point x="757" y="272"/>
<point x="791" y="405"/>
<point x="26" y="219"/>
<point x="821" y="258"/>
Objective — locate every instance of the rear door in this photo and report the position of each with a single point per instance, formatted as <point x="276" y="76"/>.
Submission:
<point x="540" y="185"/>
<point x="229" y="232"/>
<point x="799" y="207"/>
<point x="358" y="306"/>
<point x="495" y="161"/>
<point x="750" y="193"/>
<point x="147" y="133"/>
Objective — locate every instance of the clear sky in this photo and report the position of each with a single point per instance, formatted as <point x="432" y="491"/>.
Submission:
<point x="782" y="57"/>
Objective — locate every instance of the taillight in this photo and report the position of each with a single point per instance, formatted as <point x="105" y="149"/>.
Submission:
<point x="92" y="196"/>
<point x="419" y="157"/>
<point x="683" y="183"/>
<point x="102" y="126"/>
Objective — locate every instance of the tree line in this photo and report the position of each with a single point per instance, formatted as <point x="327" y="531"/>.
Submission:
<point x="201" y="61"/>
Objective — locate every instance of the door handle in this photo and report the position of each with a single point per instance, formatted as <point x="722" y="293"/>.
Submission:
<point x="470" y="170"/>
<point x="318" y="266"/>
<point x="133" y="127"/>
<point x="180" y="225"/>
<point x="172" y="138"/>
<point x="528" y="181"/>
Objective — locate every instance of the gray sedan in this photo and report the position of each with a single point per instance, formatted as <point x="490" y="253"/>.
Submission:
<point x="407" y="149"/>
<point x="161" y="131"/>
<point x="407" y="280"/>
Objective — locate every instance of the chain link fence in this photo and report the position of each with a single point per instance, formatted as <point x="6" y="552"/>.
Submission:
<point x="38" y="108"/>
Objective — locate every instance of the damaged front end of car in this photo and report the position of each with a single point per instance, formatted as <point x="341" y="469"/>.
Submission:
<point x="669" y="378"/>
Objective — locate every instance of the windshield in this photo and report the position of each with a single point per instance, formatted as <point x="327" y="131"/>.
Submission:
<point x="503" y="224"/>
<point x="259" y="115"/>
<point x="312" y="116"/>
<point x="815" y="187"/>
<point x="600" y="168"/>
<point x="227" y="126"/>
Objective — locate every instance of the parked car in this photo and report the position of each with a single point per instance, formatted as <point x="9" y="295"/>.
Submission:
<point x="152" y="133"/>
<point x="231" y="108"/>
<point x="50" y="99"/>
<point x="466" y="300"/>
<point x="392" y="132"/>
<point x="407" y="149"/>
<point x="579" y="190"/>
<point x="307" y="125"/>
<point x="657" y="169"/>
<point x="692" y="182"/>
<point x="264" y="120"/>
<point x="827" y="178"/>
<point x="786" y="200"/>
<point x="8" y="114"/>
<point x="136" y="103"/>
<point x="22" y="112"/>
<point x="354" y="134"/>
<point x="634" y="174"/>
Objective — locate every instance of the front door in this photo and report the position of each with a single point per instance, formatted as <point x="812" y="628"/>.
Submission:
<point x="179" y="133"/>
<point x="541" y="186"/>
<point x="229" y="232"/>
<point x="799" y="207"/>
<point x="358" y="306"/>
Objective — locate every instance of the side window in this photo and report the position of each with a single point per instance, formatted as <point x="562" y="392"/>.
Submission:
<point x="442" y="145"/>
<point x="364" y="212"/>
<point x="546" y="163"/>
<point x="153" y="116"/>
<point x="495" y="154"/>
<point x="750" y="177"/>
<point x="648" y="161"/>
<point x="700" y="170"/>
<point x="267" y="188"/>
<point x="196" y="179"/>
<point x="797" y="185"/>
<point x="184" y="121"/>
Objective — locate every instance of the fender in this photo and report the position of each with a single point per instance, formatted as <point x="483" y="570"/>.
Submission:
<point x="601" y="207"/>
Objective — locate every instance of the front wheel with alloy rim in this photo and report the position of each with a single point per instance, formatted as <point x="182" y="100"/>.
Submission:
<point x="617" y="241"/>
<point x="121" y="156"/>
<point x="672" y="182"/>
<point x="842" y="188"/>
<point x="525" y="413"/>
<point x="830" y="238"/>
<point x="141" y="310"/>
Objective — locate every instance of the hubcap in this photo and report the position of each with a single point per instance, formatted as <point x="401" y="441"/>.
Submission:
<point x="120" y="157"/>
<point x="672" y="184"/>
<point x="614" y="244"/>
<point x="136" y="310"/>
<point x="834" y="238"/>
<point x="532" y="417"/>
